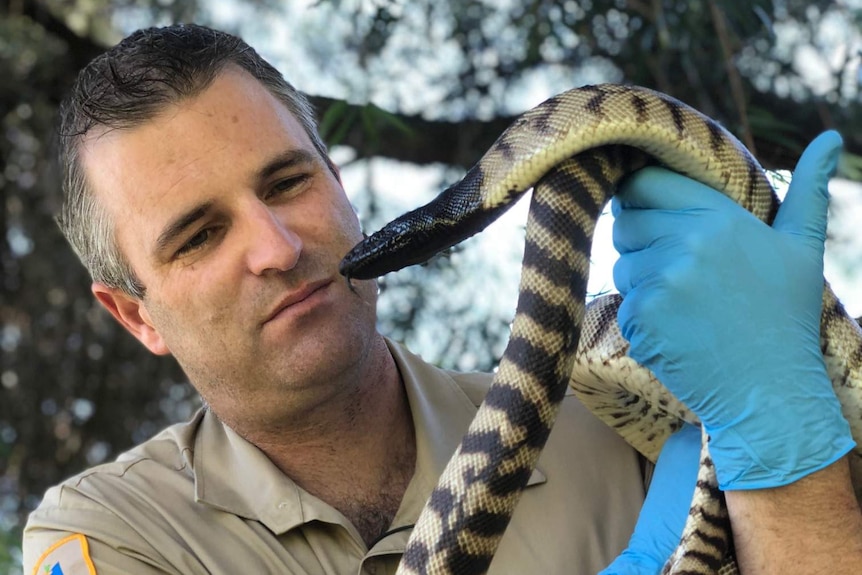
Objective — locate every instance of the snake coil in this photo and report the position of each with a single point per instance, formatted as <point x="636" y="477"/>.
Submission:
<point x="573" y="149"/>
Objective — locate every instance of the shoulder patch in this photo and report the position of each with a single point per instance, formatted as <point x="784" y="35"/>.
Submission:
<point x="68" y="556"/>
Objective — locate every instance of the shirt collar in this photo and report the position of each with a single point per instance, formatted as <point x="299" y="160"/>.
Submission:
<point x="442" y="412"/>
<point x="233" y="475"/>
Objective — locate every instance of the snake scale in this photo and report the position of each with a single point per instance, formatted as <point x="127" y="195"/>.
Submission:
<point x="572" y="150"/>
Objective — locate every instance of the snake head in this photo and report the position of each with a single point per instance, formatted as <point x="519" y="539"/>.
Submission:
<point x="396" y="246"/>
<point x="415" y="237"/>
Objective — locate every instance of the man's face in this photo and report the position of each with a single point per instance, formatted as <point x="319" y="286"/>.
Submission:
<point x="235" y="226"/>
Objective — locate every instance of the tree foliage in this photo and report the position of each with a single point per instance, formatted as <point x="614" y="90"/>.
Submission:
<point x="426" y="81"/>
<point x="775" y="72"/>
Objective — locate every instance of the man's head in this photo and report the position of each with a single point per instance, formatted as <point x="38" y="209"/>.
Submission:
<point x="214" y="193"/>
<point x="126" y="87"/>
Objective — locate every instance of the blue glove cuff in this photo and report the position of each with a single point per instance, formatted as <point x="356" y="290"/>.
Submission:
<point x="739" y="466"/>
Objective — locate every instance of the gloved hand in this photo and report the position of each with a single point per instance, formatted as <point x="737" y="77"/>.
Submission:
<point x="665" y="508"/>
<point x="725" y="310"/>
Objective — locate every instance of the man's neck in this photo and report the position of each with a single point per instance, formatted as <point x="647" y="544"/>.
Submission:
<point x="359" y="452"/>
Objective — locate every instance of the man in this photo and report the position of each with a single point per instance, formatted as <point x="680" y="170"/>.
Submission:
<point x="202" y="201"/>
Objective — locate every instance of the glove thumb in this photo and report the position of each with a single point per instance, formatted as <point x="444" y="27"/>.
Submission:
<point x="805" y="207"/>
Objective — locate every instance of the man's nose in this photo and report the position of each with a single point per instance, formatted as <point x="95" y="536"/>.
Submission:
<point x="272" y="245"/>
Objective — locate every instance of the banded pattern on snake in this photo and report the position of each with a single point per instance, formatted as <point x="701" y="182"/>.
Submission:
<point x="573" y="149"/>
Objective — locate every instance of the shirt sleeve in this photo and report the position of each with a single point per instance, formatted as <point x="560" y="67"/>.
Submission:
<point x="79" y="538"/>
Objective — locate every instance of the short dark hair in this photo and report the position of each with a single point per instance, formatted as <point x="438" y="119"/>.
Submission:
<point x="124" y="88"/>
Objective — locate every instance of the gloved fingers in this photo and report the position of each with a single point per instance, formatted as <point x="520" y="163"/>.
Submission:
<point x="660" y="207"/>
<point x="665" y="509"/>
<point x="805" y="207"/>
<point x="679" y="459"/>
<point x="638" y="229"/>
<point x="633" y="269"/>
<point x="639" y="318"/>
<point x="654" y="187"/>
<point x="672" y="486"/>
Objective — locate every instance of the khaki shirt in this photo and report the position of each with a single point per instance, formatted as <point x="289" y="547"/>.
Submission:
<point x="198" y="498"/>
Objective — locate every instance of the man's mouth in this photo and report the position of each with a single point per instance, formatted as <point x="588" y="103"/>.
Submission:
<point x="296" y="297"/>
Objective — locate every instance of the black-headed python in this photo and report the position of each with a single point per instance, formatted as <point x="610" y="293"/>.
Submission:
<point x="573" y="149"/>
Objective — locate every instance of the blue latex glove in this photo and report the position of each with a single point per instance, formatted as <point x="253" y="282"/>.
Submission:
<point x="665" y="509"/>
<point x="725" y="310"/>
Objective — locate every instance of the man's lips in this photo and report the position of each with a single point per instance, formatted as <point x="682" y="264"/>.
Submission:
<point x="296" y="297"/>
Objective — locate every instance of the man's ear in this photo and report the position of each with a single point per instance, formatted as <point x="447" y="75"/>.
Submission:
<point x="132" y="315"/>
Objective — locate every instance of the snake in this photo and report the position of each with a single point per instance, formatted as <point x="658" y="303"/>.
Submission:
<point x="572" y="151"/>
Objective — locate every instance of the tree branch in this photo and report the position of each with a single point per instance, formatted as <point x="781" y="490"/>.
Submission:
<point x="462" y="143"/>
<point x="81" y="49"/>
<point x="733" y="75"/>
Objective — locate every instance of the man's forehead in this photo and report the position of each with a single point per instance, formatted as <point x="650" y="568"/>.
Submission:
<point x="232" y="86"/>
<point x="224" y="136"/>
<point x="234" y="104"/>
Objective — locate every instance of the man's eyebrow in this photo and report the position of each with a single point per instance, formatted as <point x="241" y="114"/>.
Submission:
<point x="179" y="225"/>
<point x="286" y="160"/>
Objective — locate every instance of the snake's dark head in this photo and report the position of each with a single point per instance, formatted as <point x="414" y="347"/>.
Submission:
<point x="395" y="246"/>
<point x="415" y="237"/>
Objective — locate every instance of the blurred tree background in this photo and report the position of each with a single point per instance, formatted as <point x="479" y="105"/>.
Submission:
<point x="409" y="95"/>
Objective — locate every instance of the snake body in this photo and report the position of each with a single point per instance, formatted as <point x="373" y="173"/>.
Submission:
<point x="572" y="150"/>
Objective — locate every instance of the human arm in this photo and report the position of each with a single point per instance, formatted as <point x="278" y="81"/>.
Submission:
<point x="85" y="535"/>
<point x="725" y="311"/>
<point x="789" y="529"/>
<point x="80" y="554"/>
<point x="810" y="526"/>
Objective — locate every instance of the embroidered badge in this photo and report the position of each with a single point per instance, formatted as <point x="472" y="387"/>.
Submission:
<point x="69" y="556"/>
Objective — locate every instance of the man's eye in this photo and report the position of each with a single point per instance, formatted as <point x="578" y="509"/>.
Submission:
<point x="288" y="185"/>
<point x="196" y="241"/>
